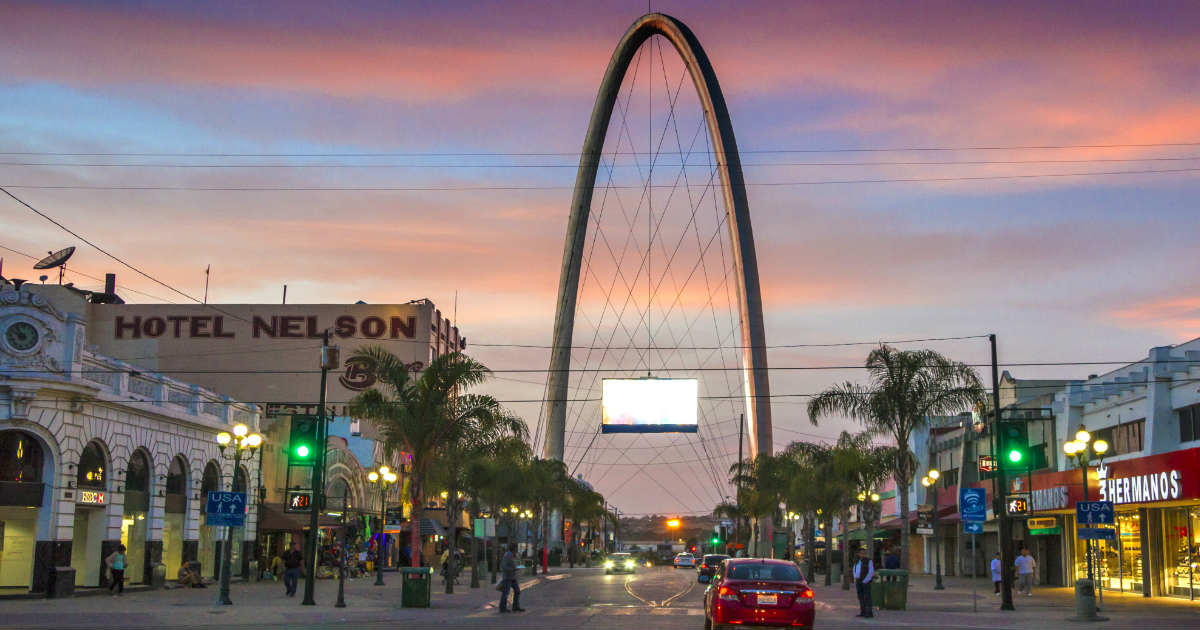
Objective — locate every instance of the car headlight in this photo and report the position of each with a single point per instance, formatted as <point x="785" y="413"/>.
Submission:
<point x="608" y="564"/>
<point x="629" y="564"/>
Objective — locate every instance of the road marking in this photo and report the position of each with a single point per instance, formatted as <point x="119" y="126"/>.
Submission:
<point x="629" y="589"/>
<point x="667" y="602"/>
<point x="557" y="576"/>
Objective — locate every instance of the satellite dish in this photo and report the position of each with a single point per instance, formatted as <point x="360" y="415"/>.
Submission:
<point x="56" y="259"/>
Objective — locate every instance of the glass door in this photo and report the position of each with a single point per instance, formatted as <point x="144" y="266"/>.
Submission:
<point x="1180" y="540"/>
<point x="1129" y="552"/>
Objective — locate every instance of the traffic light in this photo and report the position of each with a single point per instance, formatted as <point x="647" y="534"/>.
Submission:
<point x="302" y="442"/>
<point x="1014" y="446"/>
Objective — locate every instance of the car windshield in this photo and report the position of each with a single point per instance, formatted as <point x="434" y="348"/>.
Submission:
<point x="714" y="559"/>
<point x="620" y="556"/>
<point x="773" y="572"/>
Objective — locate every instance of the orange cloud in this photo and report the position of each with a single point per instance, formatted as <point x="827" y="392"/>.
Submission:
<point x="1179" y="316"/>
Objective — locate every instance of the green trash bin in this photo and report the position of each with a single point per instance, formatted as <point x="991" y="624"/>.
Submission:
<point x="416" y="589"/>
<point x="877" y="592"/>
<point x="895" y="588"/>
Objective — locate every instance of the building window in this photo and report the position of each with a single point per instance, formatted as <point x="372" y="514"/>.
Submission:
<point x="20" y="458"/>
<point x="1189" y="423"/>
<point x="949" y="478"/>
<point x="1124" y="438"/>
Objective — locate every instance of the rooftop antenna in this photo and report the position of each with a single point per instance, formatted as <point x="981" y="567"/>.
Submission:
<point x="206" y="270"/>
<point x="56" y="259"/>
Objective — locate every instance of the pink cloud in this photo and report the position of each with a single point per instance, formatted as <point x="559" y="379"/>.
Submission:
<point x="1177" y="316"/>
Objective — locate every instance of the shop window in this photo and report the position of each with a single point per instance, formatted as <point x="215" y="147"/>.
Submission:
<point x="1189" y="423"/>
<point x="1181" y="551"/>
<point x="949" y="478"/>
<point x="20" y="457"/>
<point x="93" y="467"/>
<point x="137" y="475"/>
<point x="177" y="477"/>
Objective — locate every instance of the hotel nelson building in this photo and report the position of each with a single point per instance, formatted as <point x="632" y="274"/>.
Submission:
<point x="109" y="413"/>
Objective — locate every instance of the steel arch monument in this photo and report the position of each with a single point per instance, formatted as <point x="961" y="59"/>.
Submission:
<point x="728" y="163"/>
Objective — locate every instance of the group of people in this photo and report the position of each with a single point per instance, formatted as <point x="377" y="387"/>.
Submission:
<point x="1026" y="567"/>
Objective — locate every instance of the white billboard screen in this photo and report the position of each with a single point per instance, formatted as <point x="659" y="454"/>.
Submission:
<point x="650" y="405"/>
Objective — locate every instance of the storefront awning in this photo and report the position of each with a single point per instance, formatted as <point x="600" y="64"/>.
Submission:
<point x="273" y="518"/>
<point x="860" y="534"/>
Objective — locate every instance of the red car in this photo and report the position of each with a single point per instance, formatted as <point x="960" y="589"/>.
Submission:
<point x="758" y="592"/>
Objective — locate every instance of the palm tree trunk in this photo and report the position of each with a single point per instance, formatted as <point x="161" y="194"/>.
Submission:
<point x="829" y="553"/>
<point x="902" y="490"/>
<point x="870" y="536"/>
<point x="810" y="545"/>
<point x="414" y="539"/>
<point x="845" y="549"/>
<point x="452" y="513"/>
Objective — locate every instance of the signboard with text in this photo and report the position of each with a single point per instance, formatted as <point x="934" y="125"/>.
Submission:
<point x="225" y="509"/>
<point x="972" y="504"/>
<point x="91" y="497"/>
<point x="1094" y="513"/>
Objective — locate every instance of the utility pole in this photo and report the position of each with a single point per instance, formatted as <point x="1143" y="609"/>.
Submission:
<point x="1000" y="491"/>
<point x="328" y="359"/>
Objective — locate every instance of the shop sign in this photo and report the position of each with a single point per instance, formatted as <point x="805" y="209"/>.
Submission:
<point x="987" y="463"/>
<point x="91" y="497"/>
<point x="1162" y="486"/>
<point x="1041" y="523"/>
<point x="1055" y="498"/>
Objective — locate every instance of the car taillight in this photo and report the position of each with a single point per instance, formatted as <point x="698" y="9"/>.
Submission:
<point x="727" y="594"/>
<point x="704" y="566"/>
<point x="805" y="596"/>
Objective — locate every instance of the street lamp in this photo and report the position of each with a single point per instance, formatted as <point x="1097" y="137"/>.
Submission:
<point x="242" y="441"/>
<point x="384" y="477"/>
<point x="1079" y="452"/>
<point x="930" y="483"/>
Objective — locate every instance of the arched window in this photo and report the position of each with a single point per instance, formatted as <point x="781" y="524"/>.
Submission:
<point x="337" y="494"/>
<point x="211" y="480"/>
<point x="177" y="476"/>
<point x="93" y="467"/>
<point x="239" y="479"/>
<point x="20" y="457"/>
<point x="137" y="475"/>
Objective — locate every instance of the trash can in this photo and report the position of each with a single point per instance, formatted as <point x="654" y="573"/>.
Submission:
<point x="895" y="588"/>
<point x="255" y="574"/>
<point x="416" y="590"/>
<point x="158" y="575"/>
<point x="61" y="582"/>
<point x="835" y="571"/>
<point x="877" y="592"/>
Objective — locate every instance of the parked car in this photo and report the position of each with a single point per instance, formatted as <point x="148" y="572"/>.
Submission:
<point x="758" y="591"/>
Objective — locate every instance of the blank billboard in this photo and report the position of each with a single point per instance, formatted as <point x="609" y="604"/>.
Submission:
<point x="650" y="405"/>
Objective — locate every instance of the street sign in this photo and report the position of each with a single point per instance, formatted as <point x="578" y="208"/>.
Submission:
<point x="924" y="517"/>
<point x="1096" y="533"/>
<point x="225" y="509"/>
<point x="1049" y="531"/>
<point x="972" y="505"/>
<point x="485" y="527"/>
<point x="925" y="531"/>
<point x="1045" y="522"/>
<point x="971" y="527"/>
<point x="1017" y="504"/>
<point x="1094" y="512"/>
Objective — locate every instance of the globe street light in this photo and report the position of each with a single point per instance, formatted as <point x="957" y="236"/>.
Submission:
<point x="384" y="477"/>
<point x="1079" y="452"/>
<point x="242" y="441"/>
<point x="930" y="483"/>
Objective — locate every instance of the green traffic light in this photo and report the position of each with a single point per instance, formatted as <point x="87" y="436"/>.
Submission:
<point x="1014" y="456"/>
<point x="715" y="540"/>
<point x="302" y="451"/>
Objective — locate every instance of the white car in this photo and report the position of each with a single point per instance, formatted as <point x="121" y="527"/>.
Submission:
<point x="685" y="560"/>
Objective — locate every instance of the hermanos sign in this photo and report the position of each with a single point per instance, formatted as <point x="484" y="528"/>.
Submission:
<point x="1166" y="485"/>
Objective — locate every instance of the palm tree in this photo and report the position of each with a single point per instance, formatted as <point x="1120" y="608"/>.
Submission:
<point x="492" y="481"/>
<point x="906" y="388"/>
<point x="765" y="482"/>
<point x="428" y="415"/>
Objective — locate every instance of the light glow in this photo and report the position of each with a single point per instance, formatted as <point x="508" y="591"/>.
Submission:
<point x="223" y="438"/>
<point x="1083" y="436"/>
<point x="372" y="476"/>
<point x="240" y="430"/>
<point x="650" y="405"/>
<point x="1100" y="446"/>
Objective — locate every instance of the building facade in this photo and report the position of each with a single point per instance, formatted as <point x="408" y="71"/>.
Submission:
<point x="97" y="452"/>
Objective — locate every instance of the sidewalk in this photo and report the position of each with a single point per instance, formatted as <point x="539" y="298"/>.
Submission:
<point x="1050" y="607"/>
<point x="261" y="604"/>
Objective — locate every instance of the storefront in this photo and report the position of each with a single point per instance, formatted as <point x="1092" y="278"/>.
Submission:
<point x="134" y="521"/>
<point x="207" y="547"/>
<point x="1157" y="503"/>
<point x="91" y="505"/>
<point x="22" y="463"/>
<point x="175" y="516"/>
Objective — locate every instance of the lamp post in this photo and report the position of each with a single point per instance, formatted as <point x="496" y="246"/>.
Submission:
<point x="384" y="477"/>
<point x="930" y="483"/>
<point x="242" y="441"/>
<point x="1079" y="451"/>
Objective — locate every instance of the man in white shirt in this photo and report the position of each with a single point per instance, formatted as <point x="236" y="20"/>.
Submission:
<point x="996" y="573"/>
<point x="864" y="573"/>
<point x="1025" y="567"/>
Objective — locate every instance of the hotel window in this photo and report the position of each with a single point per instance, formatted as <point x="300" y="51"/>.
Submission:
<point x="1189" y="423"/>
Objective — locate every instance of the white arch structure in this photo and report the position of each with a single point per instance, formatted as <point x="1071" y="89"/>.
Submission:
<point x="729" y="167"/>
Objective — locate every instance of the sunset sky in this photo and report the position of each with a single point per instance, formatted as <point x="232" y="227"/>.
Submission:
<point x="1095" y="268"/>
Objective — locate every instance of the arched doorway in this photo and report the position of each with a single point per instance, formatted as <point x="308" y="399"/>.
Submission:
<point x="135" y="521"/>
<point x="175" y="515"/>
<point x="22" y="469"/>
<point x="240" y="483"/>
<point x="209" y="482"/>
<point x="91" y="501"/>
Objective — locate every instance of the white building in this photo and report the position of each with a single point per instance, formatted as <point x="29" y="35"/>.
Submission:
<point x="96" y="452"/>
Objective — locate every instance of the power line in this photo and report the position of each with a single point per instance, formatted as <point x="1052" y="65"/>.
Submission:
<point x="502" y="188"/>
<point x="1035" y="147"/>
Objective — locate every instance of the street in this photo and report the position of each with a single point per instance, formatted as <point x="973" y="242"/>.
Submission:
<point x="658" y="597"/>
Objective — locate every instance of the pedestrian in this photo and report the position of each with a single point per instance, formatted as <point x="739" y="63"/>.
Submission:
<point x="1026" y="565"/>
<point x="864" y="573"/>
<point x="276" y="567"/>
<point x="292" y="560"/>
<point x="892" y="559"/>
<point x="508" y="573"/>
<point x="996" y="576"/>
<point x="116" y="562"/>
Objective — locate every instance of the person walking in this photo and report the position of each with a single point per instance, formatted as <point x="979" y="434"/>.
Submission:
<point x="864" y="573"/>
<point x="292" y="560"/>
<point x="116" y="562"/>
<point x="508" y="571"/>
<point x="996" y="577"/>
<point x="1026" y="565"/>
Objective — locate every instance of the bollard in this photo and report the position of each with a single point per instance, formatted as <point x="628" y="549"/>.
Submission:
<point x="1085" y="601"/>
